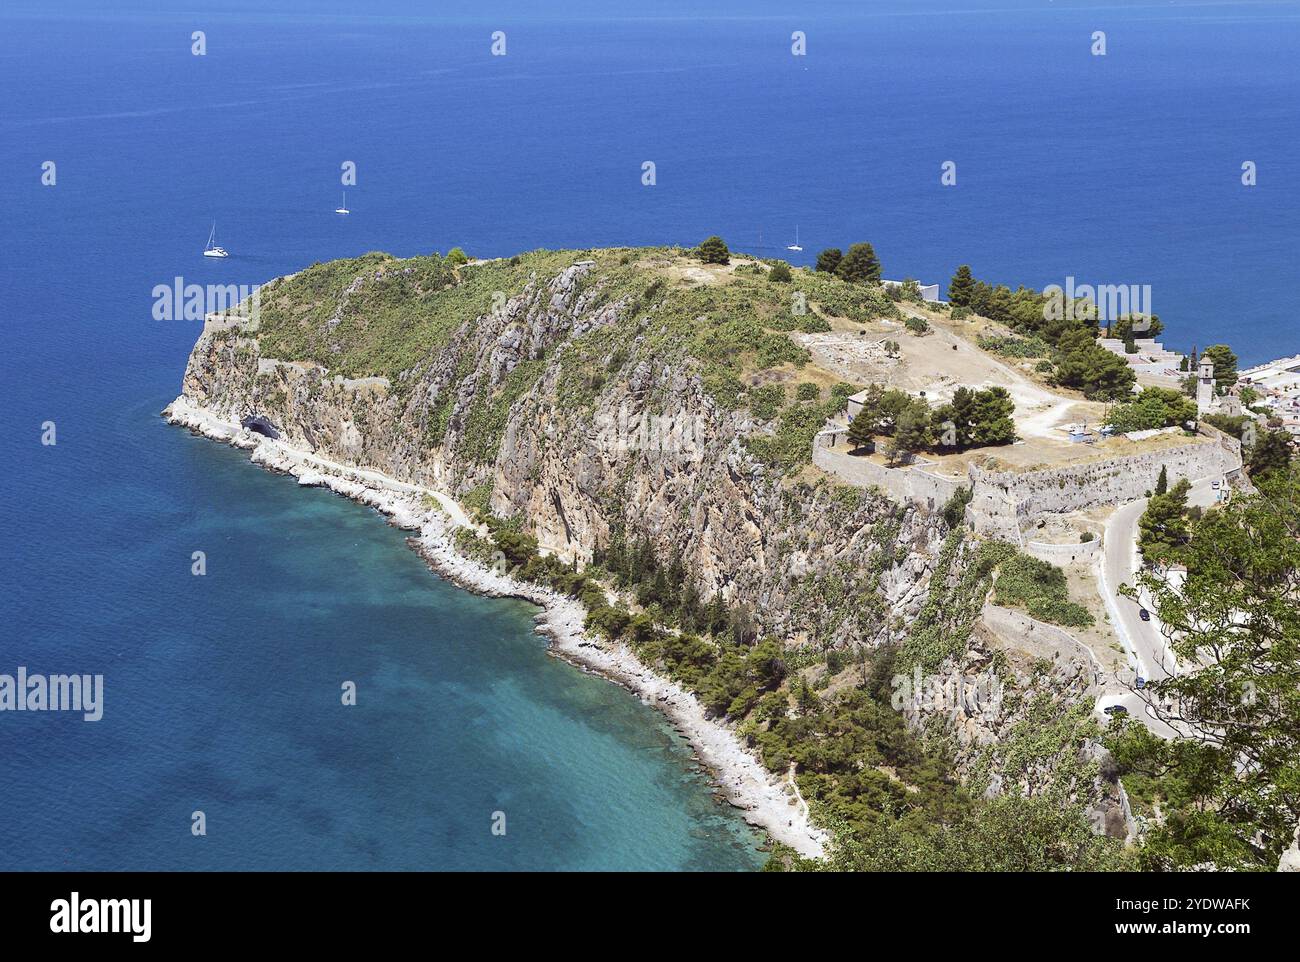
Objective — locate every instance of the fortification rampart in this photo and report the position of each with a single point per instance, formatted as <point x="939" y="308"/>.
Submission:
<point x="1003" y="503"/>
<point x="913" y="483"/>
<point x="1005" y="498"/>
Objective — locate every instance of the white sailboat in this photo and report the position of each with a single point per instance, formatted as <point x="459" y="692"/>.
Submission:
<point x="344" y="208"/>
<point x="212" y="250"/>
<point x="795" y="246"/>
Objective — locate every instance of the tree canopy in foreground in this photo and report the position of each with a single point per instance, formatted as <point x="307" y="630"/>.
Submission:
<point x="1228" y="792"/>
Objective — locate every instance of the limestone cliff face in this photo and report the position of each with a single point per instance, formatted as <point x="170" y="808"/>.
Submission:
<point x="1016" y="681"/>
<point x="562" y="406"/>
<point x="646" y="445"/>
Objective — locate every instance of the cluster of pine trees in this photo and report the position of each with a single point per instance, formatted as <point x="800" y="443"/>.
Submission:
<point x="669" y="590"/>
<point x="1022" y="309"/>
<point x="1078" y="361"/>
<point x="859" y="266"/>
<point x="1164" y="530"/>
<point x="973" y="418"/>
<point x="1127" y="328"/>
<point x="1155" y="407"/>
<point x="857" y="761"/>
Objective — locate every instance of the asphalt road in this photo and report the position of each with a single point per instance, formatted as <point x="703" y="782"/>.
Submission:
<point x="1141" y="639"/>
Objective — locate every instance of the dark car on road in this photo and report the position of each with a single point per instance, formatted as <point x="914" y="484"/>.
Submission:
<point x="1114" y="710"/>
<point x="1144" y="614"/>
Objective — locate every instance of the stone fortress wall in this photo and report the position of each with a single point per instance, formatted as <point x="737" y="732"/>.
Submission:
<point x="1003" y="503"/>
<point x="1003" y="499"/>
<point x="1061" y="554"/>
<point x="914" y="484"/>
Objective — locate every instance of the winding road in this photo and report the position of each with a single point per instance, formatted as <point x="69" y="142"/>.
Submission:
<point x="1143" y="640"/>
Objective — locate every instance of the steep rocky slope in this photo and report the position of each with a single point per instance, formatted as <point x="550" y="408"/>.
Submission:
<point x="584" y="396"/>
<point x="575" y="402"/>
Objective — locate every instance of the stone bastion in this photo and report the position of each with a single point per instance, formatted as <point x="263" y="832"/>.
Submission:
<point x="1003" y="502"/>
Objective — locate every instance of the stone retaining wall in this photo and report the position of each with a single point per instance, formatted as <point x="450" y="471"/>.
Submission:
<point x="1003" y="502"/>
<point x="1016" y="497"/>
<point x="903" y="484"/>
<point x="1061" y="554"/>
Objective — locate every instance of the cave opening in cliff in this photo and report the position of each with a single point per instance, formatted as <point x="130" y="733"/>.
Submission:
<point x="259" y="424"/>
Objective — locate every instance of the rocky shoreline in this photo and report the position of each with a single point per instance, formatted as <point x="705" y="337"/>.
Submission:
<point x="767" y="802"/>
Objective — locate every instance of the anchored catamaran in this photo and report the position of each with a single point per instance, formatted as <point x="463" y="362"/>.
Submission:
<point x="212" y="250"/>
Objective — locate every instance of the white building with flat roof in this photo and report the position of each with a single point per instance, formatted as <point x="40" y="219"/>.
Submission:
<point x="1282" y="376"/>
<point x="1151" y="359"/>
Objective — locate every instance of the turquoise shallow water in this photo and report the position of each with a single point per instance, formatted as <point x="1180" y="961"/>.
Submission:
<point x="223" y="694"/>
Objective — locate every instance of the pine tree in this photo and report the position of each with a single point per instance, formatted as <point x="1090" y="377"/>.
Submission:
<point x="911" y="432"/>
<point x="862" y="429"/>
<point x="991" y="417"/>
<point x="615" y="556"/>
<point x="1270" y="455"/>
<point x="688" y="610"/>
<point x="714" y="251"/>
<point x="866" y="424"/>
<point x="660" y="591"/>
<point x="716" y="615"/>
<point x="1162" y="482"/>
<point x="860" y="265"/>
<point x="806" y="698"/>
<point x="1163" y="529"/>
<point x="1225" y="365"/>
<point x="962" y="287"/>
<point x="1231" y="623"/>
<point x="677" y="572"/>
<point x="829" y="259"/>
<point x="641" y="561"/>
<point x="1081" y="363"/>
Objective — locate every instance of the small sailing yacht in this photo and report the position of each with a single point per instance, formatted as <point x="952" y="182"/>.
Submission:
<point x="212" y="250"/>
<point x="795" y="246"/>
<point x="344" y="208"/>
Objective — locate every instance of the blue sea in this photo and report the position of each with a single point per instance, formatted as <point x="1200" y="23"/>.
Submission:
<point x="222" y="692"/>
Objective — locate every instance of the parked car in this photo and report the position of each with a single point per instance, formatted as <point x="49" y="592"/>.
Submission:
<point x="1144" y="614"/>
<point x="1141" y="683"/>
<point x="1114" y="710"/>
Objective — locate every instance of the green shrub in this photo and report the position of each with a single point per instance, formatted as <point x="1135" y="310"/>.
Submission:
<point x="766" y="401"/>
<point x="1155" y="407"/>
<point x="608" y="620"/>
<point x="791" y="445"/>
<point x="1040" y="588"/>
<point x="477" y="498"/>
<point x="954" y="511"/>
<point x="1023" y="347"/>
<point x="714" y="251"/>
